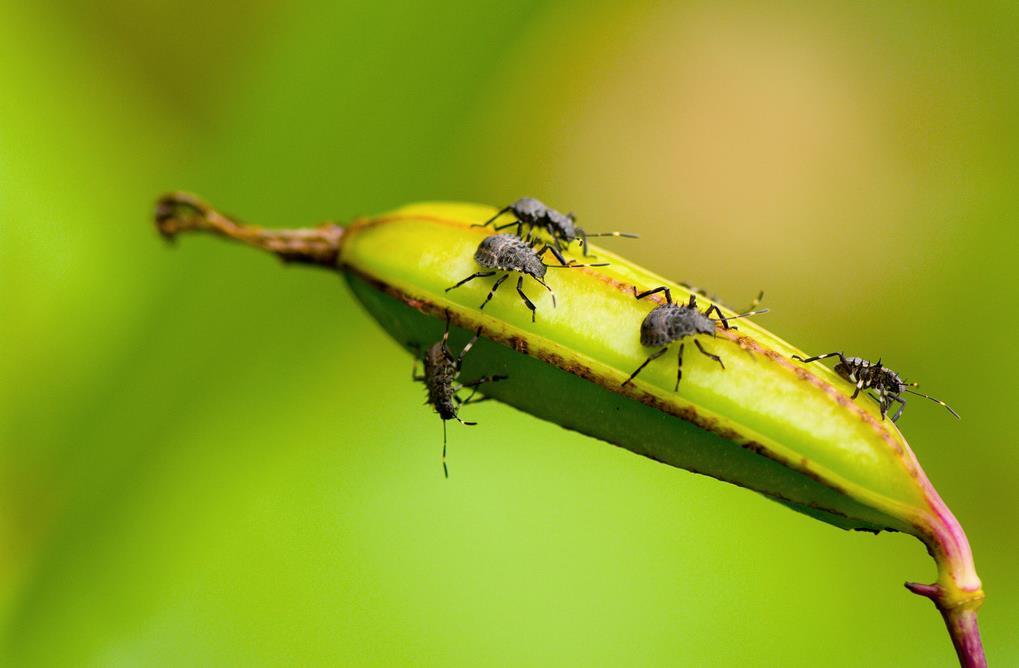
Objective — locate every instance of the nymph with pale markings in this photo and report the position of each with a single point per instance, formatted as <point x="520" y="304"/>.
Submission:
<point x="888" y="385"/>
<point x="510" y="253"/>
<point x="442" y="369"/>
<point x="671" y="322"/>
<point x="561" y="227"/>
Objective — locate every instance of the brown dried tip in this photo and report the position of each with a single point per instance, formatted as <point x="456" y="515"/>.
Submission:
<point x="177" y="212"/>
<point x="182" y="212"/>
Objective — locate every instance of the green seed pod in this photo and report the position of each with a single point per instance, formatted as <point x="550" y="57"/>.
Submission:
<point x="766" y="422"/>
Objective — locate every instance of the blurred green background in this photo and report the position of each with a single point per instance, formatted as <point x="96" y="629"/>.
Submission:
<point x="209" y="459"/>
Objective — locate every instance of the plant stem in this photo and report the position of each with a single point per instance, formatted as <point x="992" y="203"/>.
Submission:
<point x="961" y="619"/>
<point x="182" y="212"/>
<point x="958" y="593"/>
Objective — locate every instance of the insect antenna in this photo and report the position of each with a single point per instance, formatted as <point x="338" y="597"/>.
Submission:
<point x="583" y="236"/>
<point x="742" y="315"/>
<point x="572" y="265"/>
<point x="937" y="401"/>
<point x="627" y="235"/>
<point x="445" y="471"/>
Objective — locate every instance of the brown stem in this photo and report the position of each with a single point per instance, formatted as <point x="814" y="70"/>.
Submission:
<point x="961" y="619"/>
<point x="182" y="212"/>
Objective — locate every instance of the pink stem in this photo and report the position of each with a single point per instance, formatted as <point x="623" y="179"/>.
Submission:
<point x="958" y="594"/>
<point x="961" y="621"/>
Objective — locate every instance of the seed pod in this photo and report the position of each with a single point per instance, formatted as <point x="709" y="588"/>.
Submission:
<point x="767" y="423"/>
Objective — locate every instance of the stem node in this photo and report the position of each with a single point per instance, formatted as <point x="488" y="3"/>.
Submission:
<point x="959" y="610"/>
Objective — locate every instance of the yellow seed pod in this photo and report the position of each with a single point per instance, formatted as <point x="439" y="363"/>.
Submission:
<point x="765" y="422"/>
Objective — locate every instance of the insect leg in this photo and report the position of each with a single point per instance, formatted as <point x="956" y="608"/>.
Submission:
<point x="470" y="344"/>
<point x="470" y="397"/>
<point x="547" y="288"/>
<point x="821" y="357"/>
<point x="700" y="291"/>
<point x="648" y="293"/>
<point x="679" y="367"/>
<point x="477" y="274"/>
<point x="445" y="342"/>
<point x="721" y="318"/>
<point x="653" y="357"/>
<point x="902" y="405"/>
<point x="555" y="252"/>
<point x="470" y="400"/>
<point x="494" y="288"/>
<point x="571" y="264"/>
<point x="527" y="302"/>
<point x="859" y="386"/>
<point x="492" y="219"/>
<point x="886" y="403"/>
<point x="494" y="378"/>
<point x="883" y="401"/>
<point x="756" y="302"/>
<point x="707" y="354"/>
<point x="475" y="384"/>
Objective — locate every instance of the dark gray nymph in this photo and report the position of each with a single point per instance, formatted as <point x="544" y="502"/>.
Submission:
<point x="531" y="211"/>
<point x="561" y="227"/>
<point x="673" y="322"/>
<point x="442" y="369"/>
<point x="509" y="253"/>
<point x="888" y="385"/>
<point x="535" y="213"/>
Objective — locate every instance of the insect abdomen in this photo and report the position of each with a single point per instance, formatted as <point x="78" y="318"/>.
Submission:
<point x="661" y="326"/>
<point x="440" y="374"/>
<point x="510" y="253"/>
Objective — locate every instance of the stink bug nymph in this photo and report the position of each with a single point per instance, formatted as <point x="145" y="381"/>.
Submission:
<point x="671" y="322"/>
<point x="887" y="384"/>
<point x="562" y="227"/>
<point x="509" y="253"/>
<point x="442" y="369"/>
